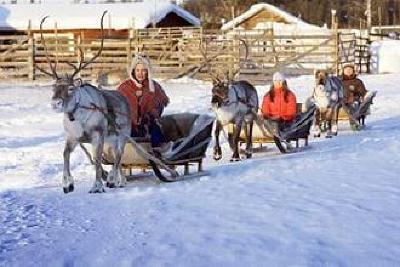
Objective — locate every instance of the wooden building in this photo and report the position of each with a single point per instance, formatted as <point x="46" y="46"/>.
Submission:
<point x="84" y="19"/>
<point x="268" y="17"/>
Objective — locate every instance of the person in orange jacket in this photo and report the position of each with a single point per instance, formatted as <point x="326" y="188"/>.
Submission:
<point x="279" y="103"/>
<point x="147" y="101"/>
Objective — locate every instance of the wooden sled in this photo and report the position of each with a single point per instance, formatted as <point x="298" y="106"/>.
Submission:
<point x="261" y="135"/>
<point x="188" y="135"/>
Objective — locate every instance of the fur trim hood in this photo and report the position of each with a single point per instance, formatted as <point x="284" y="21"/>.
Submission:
<point x="140" y="59"/>
<point x="353" y="76"/>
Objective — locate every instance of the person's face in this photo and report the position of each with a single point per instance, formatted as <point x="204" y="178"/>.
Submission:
<point x="141" y="72"/>
<point x="278" y="84"/>
<point x="348" y="71"/>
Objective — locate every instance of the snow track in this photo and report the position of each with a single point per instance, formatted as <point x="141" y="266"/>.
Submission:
<point x="334" y="204"/>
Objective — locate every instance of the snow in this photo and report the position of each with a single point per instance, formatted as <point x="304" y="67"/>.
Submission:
<point x="292" y="25"/>
<point x="334" y="204"/>
<point x="385" y="56"/>
<point x="120" y="15"/>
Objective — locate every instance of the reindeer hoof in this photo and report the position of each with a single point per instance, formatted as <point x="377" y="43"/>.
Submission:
<point x="217" y="157"/>
<point x="248" y="155"/>
<point x="68" y="189"/>
<point x="317" y="135"/>
<point x="110" y="185"/>
<point x="97" y="188"/>
<point x="234" y="159"/>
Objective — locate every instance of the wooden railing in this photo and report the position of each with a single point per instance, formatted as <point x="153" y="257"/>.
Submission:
<point x="174" y="52"/>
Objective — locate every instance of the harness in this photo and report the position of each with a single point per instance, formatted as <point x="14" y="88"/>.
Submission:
<point x="109" y="113"/>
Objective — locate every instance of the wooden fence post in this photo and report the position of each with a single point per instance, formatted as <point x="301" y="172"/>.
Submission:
<point x="79" y="54"/>
<point x="31" y="53"/>
<point x="128" y="54"/>
<point x="336" y="38"/>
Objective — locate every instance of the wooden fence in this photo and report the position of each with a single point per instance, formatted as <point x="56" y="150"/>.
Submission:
<point x="175" y="52"/>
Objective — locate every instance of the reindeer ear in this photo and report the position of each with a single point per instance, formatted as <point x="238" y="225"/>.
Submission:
<point x="215" y="81"/>
<point x="316" y="72"/>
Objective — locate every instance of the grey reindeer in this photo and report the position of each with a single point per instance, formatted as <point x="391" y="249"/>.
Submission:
<point x="92" y="116"/>
<point x="233" y="102"/>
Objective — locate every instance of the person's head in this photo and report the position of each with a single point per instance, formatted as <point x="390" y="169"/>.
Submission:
<point x="141" y="72"/>
<point x="348" y="70"/>
<point x="279" y="80"/>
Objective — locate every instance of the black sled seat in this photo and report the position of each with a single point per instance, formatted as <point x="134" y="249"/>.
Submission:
<point x="188" y="136"/>
<point x="362" y="111"/>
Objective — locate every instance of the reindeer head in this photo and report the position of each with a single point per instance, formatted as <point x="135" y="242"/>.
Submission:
<point x="63" y="90"/>
<point x="320" y="77"/>
<point x="64" y="86"/>
<point x="219" y="92"/>
<point x="220" y="89"/>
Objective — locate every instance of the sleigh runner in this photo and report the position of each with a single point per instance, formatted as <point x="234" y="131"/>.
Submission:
<point x="188" y="137"/>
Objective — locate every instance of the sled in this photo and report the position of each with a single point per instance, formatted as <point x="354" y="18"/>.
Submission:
<point x="298" y="130"/>
<point x="188" y="136"/>
<point x="362" y="111"/>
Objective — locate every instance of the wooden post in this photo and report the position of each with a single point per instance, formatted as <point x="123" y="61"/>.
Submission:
<point x="31" y="53"/>
<point x="128" y="54"/>
<point x="78" y="44"/>
<point x="334" y="27"/>
<point x="56" y="42"/>
<point x="369" y="16"/>
<point x="380" y="21"/>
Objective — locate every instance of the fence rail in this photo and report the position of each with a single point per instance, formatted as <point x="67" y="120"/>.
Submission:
<point x="173" y="52"/>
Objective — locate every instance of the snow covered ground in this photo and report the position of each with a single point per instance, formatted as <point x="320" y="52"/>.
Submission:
<point x="335" y="204"/>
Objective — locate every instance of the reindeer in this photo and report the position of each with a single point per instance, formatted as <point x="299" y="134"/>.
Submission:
<point x="327" y="95"/>
<point x="233" y="102"/>
<point x="90" y="115"/>
<point x="94" y="116"/>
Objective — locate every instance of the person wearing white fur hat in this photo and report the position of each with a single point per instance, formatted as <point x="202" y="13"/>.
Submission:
<point x="279" y="103"/>
<point x="146" y="98"/>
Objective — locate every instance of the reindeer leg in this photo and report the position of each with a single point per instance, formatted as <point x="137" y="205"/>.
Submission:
<point x="249" y="140"/>
<point x="68" y="180"/>
<point x="236" y="135"/>
<point x="97" y="143"/>
<point x="217" y="148"/>
<point x="317" y="123"/>
<point x="112" y="175"/>
<point x="334" y="120"/>
<point x="120" y="177"/>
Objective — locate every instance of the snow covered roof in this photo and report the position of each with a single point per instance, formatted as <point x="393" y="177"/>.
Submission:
<point x="254" y="9"/>
<point x="87" y="16"/>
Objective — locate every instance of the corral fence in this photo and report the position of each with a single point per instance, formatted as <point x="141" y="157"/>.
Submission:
<point x="175" y="52"/>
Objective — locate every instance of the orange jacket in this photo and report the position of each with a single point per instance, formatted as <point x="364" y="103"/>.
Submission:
<point x="279" y="108"/>
<point x="145" y="106"/>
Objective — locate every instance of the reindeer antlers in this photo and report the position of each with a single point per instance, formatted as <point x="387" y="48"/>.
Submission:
<point x="53" y="69"/>
<point x="81" y="65"/>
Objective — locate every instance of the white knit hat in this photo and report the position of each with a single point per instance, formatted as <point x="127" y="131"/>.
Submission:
<point x="278" y="77"/>
<point x="140" y="59"/>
